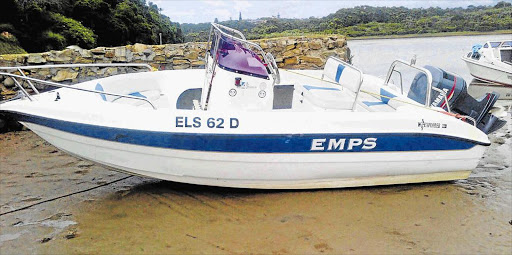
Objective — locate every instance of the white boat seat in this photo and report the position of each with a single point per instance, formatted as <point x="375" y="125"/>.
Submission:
<point x="327" y="97"/>
<point x="347" y="77"/>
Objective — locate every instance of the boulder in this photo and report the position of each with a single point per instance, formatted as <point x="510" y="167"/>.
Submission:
<point x="311" y="60"/>
<point x="8" y="82"/>
<point x="98" y="51"/>
<point x="36" y="58"/>
<point x="291" y="61"/>
<point x="139" y="47"/>
<point x="64" y="75"/>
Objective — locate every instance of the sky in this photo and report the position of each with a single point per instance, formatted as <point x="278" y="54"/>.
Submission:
<point x="198" y="11"/>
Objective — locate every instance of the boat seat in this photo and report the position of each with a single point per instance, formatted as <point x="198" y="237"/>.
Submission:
<point x="327" y="97"/>
<point x="347" y="77"/>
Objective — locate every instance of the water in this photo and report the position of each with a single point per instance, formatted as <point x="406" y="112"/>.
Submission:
<point x="374" y="56"/>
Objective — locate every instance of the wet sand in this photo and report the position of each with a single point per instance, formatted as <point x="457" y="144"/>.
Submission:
<point x="136" y="215"/>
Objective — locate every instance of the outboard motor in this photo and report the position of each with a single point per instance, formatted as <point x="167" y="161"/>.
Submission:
<point x="458" y="98"/>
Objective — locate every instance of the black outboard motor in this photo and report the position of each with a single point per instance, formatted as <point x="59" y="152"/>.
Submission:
<point x="458" y="98"/>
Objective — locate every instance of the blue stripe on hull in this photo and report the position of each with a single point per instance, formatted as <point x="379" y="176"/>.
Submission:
<point x="255" y="143"/>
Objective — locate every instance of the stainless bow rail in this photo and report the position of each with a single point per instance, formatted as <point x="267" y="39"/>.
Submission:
<point x="29" y="80"/>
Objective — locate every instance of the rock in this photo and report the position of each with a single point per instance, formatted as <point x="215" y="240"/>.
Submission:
<point x="340" y="42"/>
<point x="82" y="60"/>
<point x="8" y="82"/>
<point x="174" y="53"/>
<point x="314" y="60"/>
<point x="184" y="66"/>
<point x="61" y="56"/>
<point x="46" y="239"/>
<point x="315" y="44"/>
<point x="291" y="53"/>
<point x="64" y="75"/>
<point x="291" y="61"/>
<point x="498" y="140"/>
<point x="139" y="47"/>
<point x="109" y="54"/>
<point x="36" y="58"/>
<point x="109" y="71"/>
<point x="192" y="55"/>
<point x="180" y="61"/>
<point x="14" y="58"/>
<point x="331" y="44"/>
<point x="98" y="51"/>
<point x="291" y="46"/>
<point x="147" y="52"/>
<point x="160" y="59"/>
<point x="197" y="63"/>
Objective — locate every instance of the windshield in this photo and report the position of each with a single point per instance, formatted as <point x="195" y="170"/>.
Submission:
<point x="234" y="57"/>
<point x="495" y="44"/>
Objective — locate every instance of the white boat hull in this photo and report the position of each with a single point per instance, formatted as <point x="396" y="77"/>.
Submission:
<point x="315" y="134"/>
<point x="489" y="73"/>
<point x="269" y="170"/>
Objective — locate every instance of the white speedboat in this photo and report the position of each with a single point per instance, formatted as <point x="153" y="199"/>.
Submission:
<point x="492" y="64"/>
<point x="241" y="122"/>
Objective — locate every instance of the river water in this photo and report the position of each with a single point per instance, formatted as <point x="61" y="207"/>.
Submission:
<point x="374" y="56"/>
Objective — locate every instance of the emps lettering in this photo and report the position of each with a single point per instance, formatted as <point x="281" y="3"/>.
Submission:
<point x="343" y="144"/>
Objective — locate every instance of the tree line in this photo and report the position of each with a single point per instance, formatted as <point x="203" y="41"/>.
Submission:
<point x="41" y="25"/>
<point x="372" y="21"/>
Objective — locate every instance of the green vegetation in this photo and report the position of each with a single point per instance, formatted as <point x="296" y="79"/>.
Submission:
<point x="364" y="21"/>
<point x="9" y="45"/>
<point x="41" y="25"/>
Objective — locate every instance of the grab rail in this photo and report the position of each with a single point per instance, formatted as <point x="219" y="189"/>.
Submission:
<point x="429" y="81"/>
<point x="69" y="87"/>
<point x="360" y="77"/>
<point x="77" y="65"/>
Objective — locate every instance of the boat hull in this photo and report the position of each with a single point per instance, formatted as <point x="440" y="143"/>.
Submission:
<point x="489" y="73"/>
<point x="268" y="170"/>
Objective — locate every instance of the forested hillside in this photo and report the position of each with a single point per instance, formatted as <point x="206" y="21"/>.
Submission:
<point x="40" y="25"/>
<point x="370" y="21"/>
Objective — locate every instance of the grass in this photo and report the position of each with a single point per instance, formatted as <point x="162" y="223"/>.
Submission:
<point x="8" y="47"/>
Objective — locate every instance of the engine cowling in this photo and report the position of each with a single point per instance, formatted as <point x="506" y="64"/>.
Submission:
<point x="458" y="98"/>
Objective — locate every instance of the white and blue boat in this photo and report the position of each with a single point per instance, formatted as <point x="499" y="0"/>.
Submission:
<point x="242" y="122"/>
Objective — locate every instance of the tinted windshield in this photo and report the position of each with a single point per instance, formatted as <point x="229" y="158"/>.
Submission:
<point x="233" y="56"/>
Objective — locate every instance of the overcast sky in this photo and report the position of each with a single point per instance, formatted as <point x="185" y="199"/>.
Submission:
<point x="197" y="11"/>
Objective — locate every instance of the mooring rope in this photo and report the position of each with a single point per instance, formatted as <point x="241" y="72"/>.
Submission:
<point x="63" y="196"/>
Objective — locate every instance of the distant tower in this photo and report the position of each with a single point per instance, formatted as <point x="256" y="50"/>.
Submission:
<point x="216" y="20"/>
<point x="240" y="16"/>
<point x="278" y="15"/>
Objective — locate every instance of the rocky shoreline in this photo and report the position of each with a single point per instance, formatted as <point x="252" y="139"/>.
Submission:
<point x="290" y="52"/>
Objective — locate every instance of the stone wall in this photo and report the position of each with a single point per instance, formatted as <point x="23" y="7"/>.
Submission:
<point x="289" y="52"/>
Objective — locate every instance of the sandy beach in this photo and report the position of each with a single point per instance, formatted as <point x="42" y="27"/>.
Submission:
<point x="52" y="203"/>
